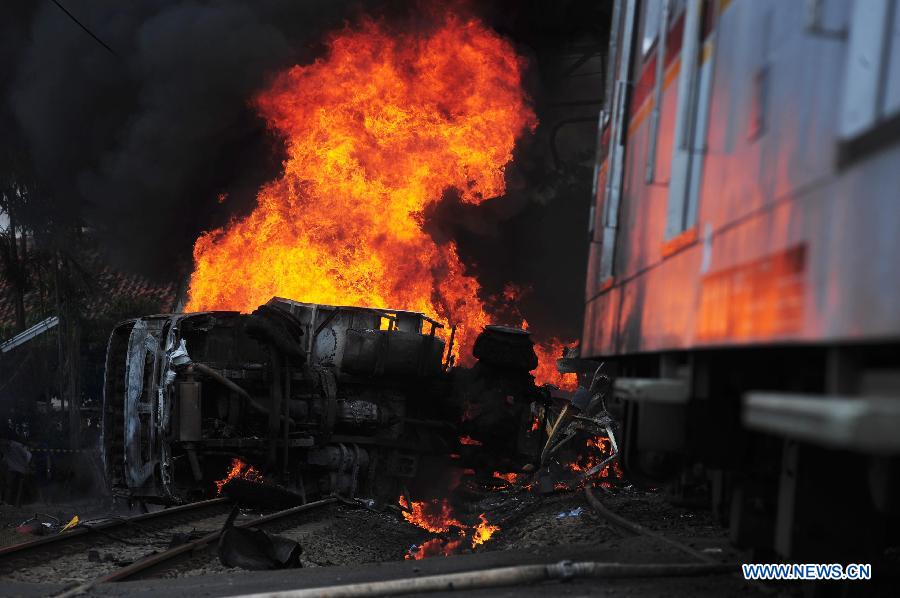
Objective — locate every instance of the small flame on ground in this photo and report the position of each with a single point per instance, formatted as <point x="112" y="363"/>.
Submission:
<point x="239" y="469"/>
<point x="437" y="517"/>
<point x="469" y="441"/>
<point x="509" y="478"/>
<point x="483" y="531"/>
<point x="596" y="450"/>
<point x="434" y="547"/>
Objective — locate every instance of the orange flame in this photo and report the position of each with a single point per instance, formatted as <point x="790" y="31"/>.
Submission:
<point x="483" y="531"/>
<point x="596" y="449"/>
<point x="435" y="516"/>
<point x="434" y="547"/>
<point x="509" y="478"/>
<point x="375" y="132"/>
<point x="239" y="469"/>
<point x="546" y="372"/>
<point x="469" y="441"/>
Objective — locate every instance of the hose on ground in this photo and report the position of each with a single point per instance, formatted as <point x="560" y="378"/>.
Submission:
<point x="499" y="577"/>
<point x="640" y="529"/>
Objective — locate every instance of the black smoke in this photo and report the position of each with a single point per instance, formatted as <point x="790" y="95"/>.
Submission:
<point x="535" y="237"/>
<point x="154" y="140"/>
<point x="141" y="142"/>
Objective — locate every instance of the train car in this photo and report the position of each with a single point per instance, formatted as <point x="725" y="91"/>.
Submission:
<point x="743" y="279"/>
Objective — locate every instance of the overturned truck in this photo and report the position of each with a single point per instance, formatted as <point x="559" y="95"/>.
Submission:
<point x="322" y="399"/>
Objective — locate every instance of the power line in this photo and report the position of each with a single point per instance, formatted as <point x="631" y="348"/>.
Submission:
<point x="86" y="30"/>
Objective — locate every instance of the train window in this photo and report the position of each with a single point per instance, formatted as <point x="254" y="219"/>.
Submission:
<point x="872" y="77"/>
<point x="869" y="117"/>
<point x="689" y="144"/>
<point x="650" y="25"/>
<point x="659" y="75"/>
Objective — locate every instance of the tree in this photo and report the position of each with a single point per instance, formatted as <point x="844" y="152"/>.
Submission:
<point x="14" y="239"/>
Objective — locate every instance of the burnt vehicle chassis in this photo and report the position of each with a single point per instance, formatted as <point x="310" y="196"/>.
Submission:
<point x="321" y="399"/>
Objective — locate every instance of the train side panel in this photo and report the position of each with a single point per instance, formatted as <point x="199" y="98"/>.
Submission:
<point x="788" y="243"/>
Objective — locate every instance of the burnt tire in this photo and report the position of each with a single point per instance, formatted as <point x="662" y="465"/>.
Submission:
<point x="505" y="347"/>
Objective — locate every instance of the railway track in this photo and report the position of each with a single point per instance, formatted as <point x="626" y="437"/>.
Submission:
<point x="154" y="564"/>
<point x="133" y="533"/>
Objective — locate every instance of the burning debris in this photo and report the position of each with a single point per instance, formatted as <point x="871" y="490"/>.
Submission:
<point x="239" y="470"/>
<point x="509" y="478"/>
<point x="483" y="531"/>
<point x="586" y="418"/>
<point x="580" y="450"/>
<point x="318" y="399"/>
<point x="435" y="547"/>
<point x="436" y="517"/>
<point x="310" y="401"/>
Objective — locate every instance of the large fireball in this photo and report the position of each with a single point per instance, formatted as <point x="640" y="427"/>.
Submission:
<point x="375" y="131"/>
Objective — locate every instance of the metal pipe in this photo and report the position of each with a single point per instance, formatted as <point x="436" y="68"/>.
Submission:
<point x="500" y="577"/>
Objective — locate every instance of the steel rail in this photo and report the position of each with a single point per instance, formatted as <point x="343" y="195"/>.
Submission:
<point x="162" y="560"/>
<point x="82" y="535"/>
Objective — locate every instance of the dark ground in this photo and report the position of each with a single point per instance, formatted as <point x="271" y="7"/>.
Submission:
<point x="346" y="545"/>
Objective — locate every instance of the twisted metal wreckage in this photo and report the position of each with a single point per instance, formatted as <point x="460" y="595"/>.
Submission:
<point x="326" y="400"/>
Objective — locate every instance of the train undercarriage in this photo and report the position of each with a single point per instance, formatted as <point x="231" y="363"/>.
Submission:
<point x="792" y="447"/>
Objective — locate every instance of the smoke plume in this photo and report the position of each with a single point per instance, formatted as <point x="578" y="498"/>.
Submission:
<point x="154" y="139"/>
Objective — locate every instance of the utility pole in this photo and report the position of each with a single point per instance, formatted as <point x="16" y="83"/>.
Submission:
<point x="69" y="343"/>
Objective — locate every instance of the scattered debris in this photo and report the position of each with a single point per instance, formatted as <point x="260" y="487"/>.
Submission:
<point x="256" y="549"/>
<point x="239" y="471"/>
<point x="576" y="512"/>
<point x="40" y="524"/>
<point x="72" y="523"/>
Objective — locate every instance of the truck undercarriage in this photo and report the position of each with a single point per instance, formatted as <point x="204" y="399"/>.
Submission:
<point x="321" y="399"/>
